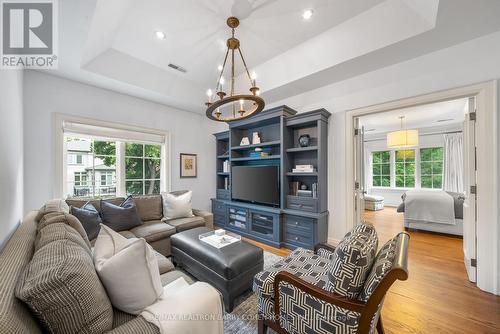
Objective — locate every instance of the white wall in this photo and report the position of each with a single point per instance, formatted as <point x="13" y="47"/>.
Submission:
<point x="11" y="152"/>
<point x="460" y="65"/>
<point x="46" y="94"/>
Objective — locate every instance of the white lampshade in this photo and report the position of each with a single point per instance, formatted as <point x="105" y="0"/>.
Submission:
<point x="402" y="139"/>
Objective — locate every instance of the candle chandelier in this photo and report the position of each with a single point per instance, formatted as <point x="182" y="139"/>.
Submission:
<point x="231" y="107"/>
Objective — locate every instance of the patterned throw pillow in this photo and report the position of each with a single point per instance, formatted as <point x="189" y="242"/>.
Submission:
<point x="382" y="265"/>
<point x="352" y="261"/>
<point x="120" y="217"/>
<point x="90" y="219"/>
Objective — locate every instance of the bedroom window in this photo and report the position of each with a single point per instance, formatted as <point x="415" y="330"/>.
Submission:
<point x="405" y="168"/>
<point x="431" y="167"/>
<point x="381" y="168"/>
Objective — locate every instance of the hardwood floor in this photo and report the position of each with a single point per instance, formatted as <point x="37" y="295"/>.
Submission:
<point x="437" y="297"/>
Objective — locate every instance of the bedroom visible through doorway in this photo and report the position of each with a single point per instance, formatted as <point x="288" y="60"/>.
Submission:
<point x="413" y="173"/>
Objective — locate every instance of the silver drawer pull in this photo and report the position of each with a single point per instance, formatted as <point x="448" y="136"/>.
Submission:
<point x="296" y="223"/>
<point x="296" y="238"/>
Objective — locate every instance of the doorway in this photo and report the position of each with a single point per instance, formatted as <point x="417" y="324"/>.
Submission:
<point x="481" y="165"/>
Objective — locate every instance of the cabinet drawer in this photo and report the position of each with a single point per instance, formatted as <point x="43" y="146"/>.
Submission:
<point x="219" y="219"/>
<point x="223" y="194"/>
<point x="298" y="238"/>
<point x="299" y="223"/>
<point x="218" y="208"/>
<point x="302" y="203"/>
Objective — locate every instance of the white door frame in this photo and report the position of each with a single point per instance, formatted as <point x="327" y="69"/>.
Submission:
<point x="487" y="165"/>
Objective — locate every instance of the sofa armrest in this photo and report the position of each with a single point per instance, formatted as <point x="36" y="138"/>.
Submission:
<point x="137" y="325"/>
<point x="207" y="216"/>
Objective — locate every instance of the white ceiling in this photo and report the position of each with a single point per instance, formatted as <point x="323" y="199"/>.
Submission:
<point x="441" y="114"/>
<point x="111" y="43"/>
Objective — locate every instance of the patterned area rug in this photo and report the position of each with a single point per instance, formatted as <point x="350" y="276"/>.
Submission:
<point x="243" y="319"/>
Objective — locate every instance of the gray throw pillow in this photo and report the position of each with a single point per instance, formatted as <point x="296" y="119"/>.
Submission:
<point x="90" y="219"/>
<point x="120" y="217"/>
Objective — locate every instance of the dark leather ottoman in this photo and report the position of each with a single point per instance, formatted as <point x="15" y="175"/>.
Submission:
<point x="230" y="269"/>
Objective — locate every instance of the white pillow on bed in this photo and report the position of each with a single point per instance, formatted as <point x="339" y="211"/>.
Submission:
<point x="128" y="269"/>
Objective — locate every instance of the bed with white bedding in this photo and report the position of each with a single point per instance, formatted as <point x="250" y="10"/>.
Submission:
<point x="433" y="210"/>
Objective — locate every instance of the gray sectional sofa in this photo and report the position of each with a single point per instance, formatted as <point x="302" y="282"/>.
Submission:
<point x="58" y="239"/>
<point x="156" y="230"/>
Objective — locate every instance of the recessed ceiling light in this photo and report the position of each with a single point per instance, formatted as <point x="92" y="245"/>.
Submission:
<point x="307" y="14"/>
<point x="160" y="34"/>
<point x="220" y="67"/>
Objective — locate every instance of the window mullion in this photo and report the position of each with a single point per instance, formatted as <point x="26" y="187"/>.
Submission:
<point x="120" y="169"/>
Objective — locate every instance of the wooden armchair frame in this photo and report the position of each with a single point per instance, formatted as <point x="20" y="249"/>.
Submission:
<point x="399" y="271"/>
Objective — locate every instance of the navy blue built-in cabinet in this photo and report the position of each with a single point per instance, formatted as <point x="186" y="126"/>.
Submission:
<point x="299" y="221"/>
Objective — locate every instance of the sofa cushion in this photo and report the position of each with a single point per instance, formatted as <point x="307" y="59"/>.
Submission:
<point x="53" y="205"/>
<point x="120" y="217"/>
<point x="90" y="219"/>
<point x="149" y="207"/>
<point x="182" y="224"/>
<point x="302" y="263"/>
<point x="59" y="231"/>
<point x="78" y="203"/>
<point x="352" y="261"/>
<point x="153" y="230"/>
<point x="61" y="287"/>
<point x="164" y="264"/>
<point x="127" y="234"/>
<point x="65" y="218"/>
<point x="128" y="268"/>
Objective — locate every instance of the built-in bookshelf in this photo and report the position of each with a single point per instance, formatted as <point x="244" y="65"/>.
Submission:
<point x="223" y="165"/>
<point x="302" y="217"/>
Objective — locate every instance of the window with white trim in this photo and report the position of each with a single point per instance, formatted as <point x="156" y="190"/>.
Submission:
<point x="405" y="168"/>
<point x="112" y="162"/>
<point x="431" y="167"/>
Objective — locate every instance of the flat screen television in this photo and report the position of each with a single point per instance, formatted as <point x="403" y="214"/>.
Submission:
<point x="256" y="184"/>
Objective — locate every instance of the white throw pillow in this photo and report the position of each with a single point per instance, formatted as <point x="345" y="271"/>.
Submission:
<point x="128" y="269"/>
<point x="177" y="206"/>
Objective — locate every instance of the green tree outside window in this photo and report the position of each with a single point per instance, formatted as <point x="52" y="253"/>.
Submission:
<point x="381" y="169"/>
<point x="405" y="169"/>
<point x="431" y="167"/>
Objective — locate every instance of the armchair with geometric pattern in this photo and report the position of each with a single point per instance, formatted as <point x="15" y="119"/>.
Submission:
<point x="332" y="290"/>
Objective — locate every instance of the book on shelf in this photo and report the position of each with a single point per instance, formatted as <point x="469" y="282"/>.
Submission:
<point x="225" y="166"/>
<point x="295" y="170"/>
<point x="304" y="166"/>
<point x="294" y="188"/>
<point x="304" y="193"/>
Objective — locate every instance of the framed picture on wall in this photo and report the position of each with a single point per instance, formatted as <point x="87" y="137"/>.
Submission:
<point x="189" y="165"/>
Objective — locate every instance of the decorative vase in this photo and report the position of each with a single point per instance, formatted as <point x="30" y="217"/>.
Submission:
<point x="255" y="138"/>
<point x="303" y="187"/>
<point x="304" y="140"/>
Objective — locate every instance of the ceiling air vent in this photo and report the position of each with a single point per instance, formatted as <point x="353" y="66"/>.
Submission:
<point x="177" y="68"/>
<point x="444" y="120"/>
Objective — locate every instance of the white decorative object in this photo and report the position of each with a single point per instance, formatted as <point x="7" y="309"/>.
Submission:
<point x="244" y="141"/>
<point x="177" y="206"/>
<point x="128" y="269"/>
<point x="255" y="138"/>
<point x="220" y="232"/>
<point x="217" y="241"/>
